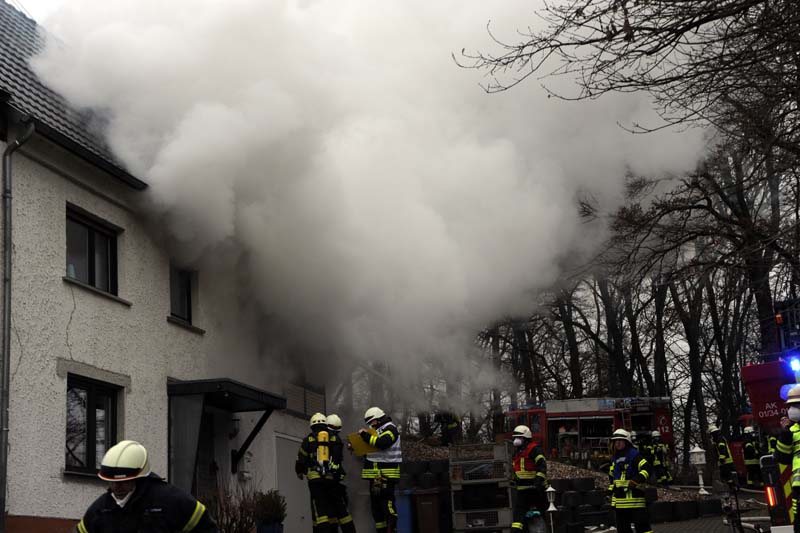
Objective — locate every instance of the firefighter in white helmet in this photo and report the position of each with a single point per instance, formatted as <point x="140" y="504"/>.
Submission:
<point x="752" y="453"/>
<point x="340" y="517"/>
<point x="138" y="500"/>
<point x="661" y="472"/>
<point x="314" y="462"/>
<point x="787" y="451"/>
<point x="628" y="472"/>
<point x="382" y="468"/>
<point x="529" y="478"/>
<point x="724" y="457"/>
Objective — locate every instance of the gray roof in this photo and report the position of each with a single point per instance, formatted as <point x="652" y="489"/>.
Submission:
<point x="19" y="41"/>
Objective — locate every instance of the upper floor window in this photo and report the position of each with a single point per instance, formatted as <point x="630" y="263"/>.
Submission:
<point x="180" y="293"/>
<point x="91" y="422"/>
<point x="91" y="251"/>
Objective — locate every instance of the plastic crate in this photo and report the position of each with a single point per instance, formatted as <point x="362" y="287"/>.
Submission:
<point x="481" y="496"/>
<point x="480" y="452"/>
<point x="475" y="520"/>
<point x="479" y="471"/>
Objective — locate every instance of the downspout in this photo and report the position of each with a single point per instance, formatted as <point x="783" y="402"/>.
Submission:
<point x="5" y="357"/>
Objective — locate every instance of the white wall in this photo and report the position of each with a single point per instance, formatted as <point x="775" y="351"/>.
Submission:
<point x="53" y="320"/>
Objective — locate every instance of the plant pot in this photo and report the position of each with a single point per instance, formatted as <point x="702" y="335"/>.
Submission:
<point x="269" y="528"/>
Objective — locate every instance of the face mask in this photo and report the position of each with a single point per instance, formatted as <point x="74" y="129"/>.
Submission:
<point x="518" y="442"/>
<point x="794" y="414"/>
<point x="122" y="501"/>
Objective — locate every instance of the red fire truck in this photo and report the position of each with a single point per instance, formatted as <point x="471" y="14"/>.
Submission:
<point x="580" y="429"/>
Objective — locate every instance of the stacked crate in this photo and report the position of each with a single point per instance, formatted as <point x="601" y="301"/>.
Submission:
<point x="480" y="481"/>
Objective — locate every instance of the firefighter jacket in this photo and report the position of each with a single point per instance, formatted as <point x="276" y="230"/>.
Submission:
<point x="529" y="468"/>
<point x="155" y="507"/>
<point x="385" y="463"/>
<point x="308" y="465"/>
<point x="724" y="456"/>
<point x="627" y="473"/>
<point x="750" y="454"/>
<point x="772" y="444"/>
<point x="787" y="451"/>
<point x="649" y="452"/>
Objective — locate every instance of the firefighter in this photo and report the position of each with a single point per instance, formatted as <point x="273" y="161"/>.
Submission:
<point x="628" y="471"/>
<point x="529" y="477"/>
<point x="138" y="500"/>
<point x="340" y="517"/>
<point x="787" y="451"/>
<point x="314" y="462"/>
<point x="751" y="456"/>
<point x="724" y="457"/>
<point x="382" y="468"/>
<point x="450" y="427"/>
<point x="660" y="460"/>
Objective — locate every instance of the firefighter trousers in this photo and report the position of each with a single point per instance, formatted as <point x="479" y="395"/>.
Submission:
<point x="321" y="506"/>
<point x="526" y="500"/>
<point x="381" y="493"/>
<point x="341" y="519"/>
<point x="639" y="517"/>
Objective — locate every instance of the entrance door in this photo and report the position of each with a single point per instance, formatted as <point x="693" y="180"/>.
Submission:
<point x="298" y="501"/>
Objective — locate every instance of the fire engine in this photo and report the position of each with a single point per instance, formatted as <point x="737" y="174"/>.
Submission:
<point x="580" y="429"/>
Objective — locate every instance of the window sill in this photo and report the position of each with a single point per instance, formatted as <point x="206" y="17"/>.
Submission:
<point x="97" y="291"/>
<point x="185" y="325"/>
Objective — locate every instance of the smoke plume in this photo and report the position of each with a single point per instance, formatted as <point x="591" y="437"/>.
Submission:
<point x="383" y="206"/>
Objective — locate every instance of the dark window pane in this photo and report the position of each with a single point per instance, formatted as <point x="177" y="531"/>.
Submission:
<point x="102" y="266"/>
<point x="103" y="419"/>
<point x="77" y="428"/>
<point x="180" y="289"/>
<point x="77" y="251"/>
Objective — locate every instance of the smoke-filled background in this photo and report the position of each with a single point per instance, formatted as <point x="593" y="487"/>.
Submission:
<point x="376" y="203"/>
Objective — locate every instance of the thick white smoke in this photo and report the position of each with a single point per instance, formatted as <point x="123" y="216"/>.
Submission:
<point x="386" y="205"/>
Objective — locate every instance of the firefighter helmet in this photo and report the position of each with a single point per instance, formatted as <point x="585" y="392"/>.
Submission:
<point x="523" y="432"/>
<point x="124" y="461"/>
<point x="316" y="418"/>
<point x="334" y="422"/>
<point x="793" y="396"/>
<point x="656" y="434"/>
<point x="748" y="430"/>
<point x="622" y="434"/>
<point x="373" y="413"/>
<point x="713" y="429"/>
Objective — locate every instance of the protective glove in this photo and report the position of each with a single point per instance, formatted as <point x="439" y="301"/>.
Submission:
<point x="538" y="483"/>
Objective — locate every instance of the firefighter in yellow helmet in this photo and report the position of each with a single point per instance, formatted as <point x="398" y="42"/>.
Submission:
<point x="138" y="501"/>
<point x="787" y="451"/>
<point x="382" y="468"/>
<point x="529" y="478"/>
<point x="628" y="471"/>
<point x="314" y="462"/>
<point x="340" y="514"/>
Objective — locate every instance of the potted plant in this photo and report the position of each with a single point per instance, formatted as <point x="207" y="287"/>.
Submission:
<point x="269" y="509"/>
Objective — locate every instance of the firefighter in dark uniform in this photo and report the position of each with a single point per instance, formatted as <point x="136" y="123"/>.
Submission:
<point x="787" y="451"/>
<point x="724" y="457"/>
<point x="340" y="517"/>
<point x="772" y="444"/>
<point x="314" y="462"/>
<point x="450" y="427"/>
<point x="529" y="477"/>
<point x="382" y="468"/>
<point x="751" y="458"/>
<point x="628" y="471"/>
<point x="660" y="460"/>
<point x="139" y="501"/>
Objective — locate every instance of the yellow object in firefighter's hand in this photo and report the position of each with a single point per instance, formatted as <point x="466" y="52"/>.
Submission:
<point x="361" y="448"/>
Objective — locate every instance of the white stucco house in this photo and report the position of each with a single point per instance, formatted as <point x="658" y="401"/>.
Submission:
<point x="108" y="338"/>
